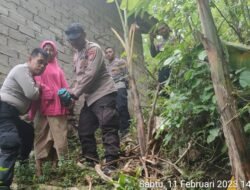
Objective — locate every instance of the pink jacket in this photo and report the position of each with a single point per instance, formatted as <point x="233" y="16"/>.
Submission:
<point x="51" y="81"/>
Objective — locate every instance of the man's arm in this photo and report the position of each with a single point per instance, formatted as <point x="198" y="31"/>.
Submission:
<point x="27" y="83"/>
<point x="95" y="61"/>
<point x="153" y="50"/>
<point x="124" y="69"/>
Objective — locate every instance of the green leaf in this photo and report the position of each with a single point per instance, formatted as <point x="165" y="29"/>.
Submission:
<point x="169" y="60"/>
<point x="196" y="83"/>
<point x="129" y="4"/>
<point x="122" y="179"/>
<point x="202" y="55"/>
<point x="213" y="133"/>
<point x="206" y="96"/>
<point x="239" y="70"/>
<point x="188" y="75"/>
<point x="110" y="1"/>
<point x="214" y="100"/>
<point x="247" y="128"/>
<point x="224" y="149"/>
<point x="3" y="169"/>
<point x="167" y="138"/>
<point x="245" y="79"/>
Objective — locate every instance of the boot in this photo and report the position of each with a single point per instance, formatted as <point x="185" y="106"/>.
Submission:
<point x="39" y="167"/>
<point x="54" y="164"/>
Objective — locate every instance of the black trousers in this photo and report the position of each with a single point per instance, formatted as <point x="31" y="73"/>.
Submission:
<point x="16" y="141"/>
<point x="163" y="74"/>
<point x="122" y="107"/>
<point x="101" y="114"/>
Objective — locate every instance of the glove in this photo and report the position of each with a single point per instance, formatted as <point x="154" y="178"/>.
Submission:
<point x="64" y="96"/>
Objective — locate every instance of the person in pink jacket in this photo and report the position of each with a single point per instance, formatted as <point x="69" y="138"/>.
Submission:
<point x="48" y="114"/>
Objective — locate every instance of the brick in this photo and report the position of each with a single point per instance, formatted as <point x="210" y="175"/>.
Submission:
<point x="17" y="45"/>
<point x="27" y="31"/>
<point x="67" y="68"/>
<point x="7" y="51"/>
<point x="4" y="11"/>
<point x="55" y="30"/>
<point x="25" y="13"/>
<point x="23" y="57"/>
<point x="9" y="5"/>
<point x="52" y="13"/>
<point x="8" y="22"/>
<point x="67" y="14"/>
<point x="4" y="59"/>
<point x="60" y="25"/>
<point x="4" y="69"/>
<point x="2" y="78"/>
<point x="34" y="26"/>
<point x="47" y="2"/>
<point x="17" y="35"/>
<point x="3" y="40"/>
<point x="45" y="34"/>
<point x="3" y="29"/>
<point x="66" y="58"/>
<point x="81" y="13"/>
<point x="17" y="2"/>
<point x="60" y="47"/>
<point x="32" y="43"/>
<point x="17" y="17"/>
<point x="13" y="61"/>
<point x="41" y="22"/>
<point x="30" y="6"/>
<point x="47" y="18"/>
<point x="66" y="21"/>
<point x="69" y="51"/>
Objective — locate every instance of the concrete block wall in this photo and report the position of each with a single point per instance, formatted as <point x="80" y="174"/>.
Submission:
<point x="25" y="23"/>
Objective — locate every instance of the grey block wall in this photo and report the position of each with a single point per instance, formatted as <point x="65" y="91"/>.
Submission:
<point x="25" y="23"/>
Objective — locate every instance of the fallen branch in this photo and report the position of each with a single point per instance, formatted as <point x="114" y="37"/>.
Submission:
<point x="89" y="180"/>
<point x="184" y="153"/>
<point x="120" y="159"/>
<point x="149" y="161"/>
<point x="144" y="167"/>
<point x="174" y="165"/>
<point x="137" y="146"/>
<point x="126" y="167"/>
<point x="150" y="121"/>
<point x="102" y="175"/>
<point x="156" y="170"/>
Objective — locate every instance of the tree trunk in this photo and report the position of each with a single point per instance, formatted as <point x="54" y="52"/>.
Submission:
<point x="138" y="116"/>
<point x="129" y="41"/>
<point x="233" y="131"/>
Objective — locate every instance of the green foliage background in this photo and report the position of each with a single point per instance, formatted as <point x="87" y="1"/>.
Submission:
<point x="190" y="112"/>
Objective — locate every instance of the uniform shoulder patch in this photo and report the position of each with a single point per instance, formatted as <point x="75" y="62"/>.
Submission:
<point x="91" y="53"/>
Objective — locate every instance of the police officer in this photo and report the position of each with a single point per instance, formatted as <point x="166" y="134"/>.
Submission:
<point x="97" y="87"/>
<point x="119" y="72"/>
<point x="163" y="30"/>
<point x="17" y="92"/>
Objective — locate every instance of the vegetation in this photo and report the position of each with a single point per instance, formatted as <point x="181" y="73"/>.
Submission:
<point x="66" y="175"/>
<point x="189" y="112"/>
<point x="193" y="145"/>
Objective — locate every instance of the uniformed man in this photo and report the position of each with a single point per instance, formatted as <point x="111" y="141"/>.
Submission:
<point x="97" y="87"/>
<point x="17" y="92"/>
<point x="162" y="30"/>
<point x="119" y="72"/>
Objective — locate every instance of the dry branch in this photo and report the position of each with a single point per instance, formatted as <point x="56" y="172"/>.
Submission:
<point x="89" y="180"/>
<point x="184" y="153"/>
<point x="102" y="175"/>
<point x="144" y="167"/>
